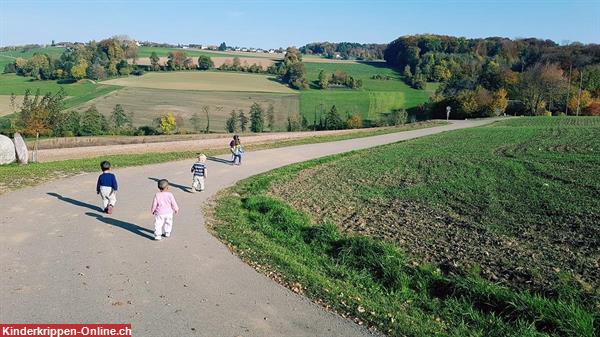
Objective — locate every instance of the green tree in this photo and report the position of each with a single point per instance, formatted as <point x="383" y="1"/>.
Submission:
<point x="71" y="124"/>
<point x="154" y="61"/>
<point x="205" y="62"/>
<point x="93" y="123"/>
<point x="231" y="122"/>
<point x="333" y="120"/>
<point x="323" y="80"/>
<point x="257" y="121"/>
<point x="119" y="118"/>
<point x="407" y="73"/>
<point x="222" y="46"/>
<point x="243" y="120"/>
<point x="167" y="123"/>
<point x="271" y="117"/>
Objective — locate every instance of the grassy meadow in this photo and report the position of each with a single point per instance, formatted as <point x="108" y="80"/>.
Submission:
<point x="375" y="97"/>
<point x="491" y="231"/>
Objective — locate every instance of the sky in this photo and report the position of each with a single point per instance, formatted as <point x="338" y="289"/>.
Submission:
<point x="272" y="24"/>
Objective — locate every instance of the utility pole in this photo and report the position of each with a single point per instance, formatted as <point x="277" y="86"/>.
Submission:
<point x="579" y="96"/>
<point x="568" y="90"/>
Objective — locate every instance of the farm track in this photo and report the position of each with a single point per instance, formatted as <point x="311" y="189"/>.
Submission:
<point x="217" y="142"/>
<point x="62" y="260"/>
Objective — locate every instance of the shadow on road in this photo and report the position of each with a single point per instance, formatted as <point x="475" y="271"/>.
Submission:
<point x="220" y="160"/>
<point x="181" y="187"/>
<point x="135" y="229"/>
<point x="75" y="202"/>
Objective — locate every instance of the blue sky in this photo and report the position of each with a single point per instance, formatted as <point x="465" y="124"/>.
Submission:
<point x="281" y="23"/>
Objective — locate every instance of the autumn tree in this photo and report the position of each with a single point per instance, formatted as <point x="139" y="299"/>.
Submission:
<point x="539" y="85"/>
<point x="176" y="60"/>
<point x="167" y="123"/>
<point x="354" y="122"/>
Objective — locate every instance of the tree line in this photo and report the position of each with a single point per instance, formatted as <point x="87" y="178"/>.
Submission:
<point x="346" y="50"/>
<point x="491" y="76"/>
<point x="95" y="60"/>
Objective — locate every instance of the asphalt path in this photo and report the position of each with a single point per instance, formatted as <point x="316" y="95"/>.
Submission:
<point x="63" y="261"/>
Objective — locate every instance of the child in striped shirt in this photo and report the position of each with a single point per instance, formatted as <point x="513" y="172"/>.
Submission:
<point x="199" y="170"/>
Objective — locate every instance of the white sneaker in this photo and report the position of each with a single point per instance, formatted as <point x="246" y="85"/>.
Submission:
<point x="158" y="238"/>
<point x="167" y="235"/>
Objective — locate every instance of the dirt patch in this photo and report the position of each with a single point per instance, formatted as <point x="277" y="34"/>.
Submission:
<point x="534" y="258"/>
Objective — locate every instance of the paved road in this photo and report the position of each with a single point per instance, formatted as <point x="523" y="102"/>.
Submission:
<point x="62" y="261"/>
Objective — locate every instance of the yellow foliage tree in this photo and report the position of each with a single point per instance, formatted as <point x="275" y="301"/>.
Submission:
<point x="499" y="101"/>
<point x="584" y="101"/>
<point x="167" y="123"/>
<point x="78" y="71"/>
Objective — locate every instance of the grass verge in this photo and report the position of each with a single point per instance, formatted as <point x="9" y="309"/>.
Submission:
<point x="16" y="176"/>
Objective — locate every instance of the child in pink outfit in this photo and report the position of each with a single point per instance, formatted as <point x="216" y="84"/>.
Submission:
<point x="163" y="207"/>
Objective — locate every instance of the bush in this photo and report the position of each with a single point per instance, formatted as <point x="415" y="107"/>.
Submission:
<point x="146" y="131"/>
<point x="137" y="72"/>
<point x="354" y="122"/>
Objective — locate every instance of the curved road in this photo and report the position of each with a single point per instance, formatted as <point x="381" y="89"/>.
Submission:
<point x="63" y="261"/>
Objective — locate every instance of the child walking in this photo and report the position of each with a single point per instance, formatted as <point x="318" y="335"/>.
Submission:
<point x="163" y="207"/>
<point x="237" y="151"/>
<point x="200" y="173"/>
<point x="107" y="187"/>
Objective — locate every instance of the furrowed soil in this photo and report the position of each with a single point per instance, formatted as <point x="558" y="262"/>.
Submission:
<point x="517" y="203"/>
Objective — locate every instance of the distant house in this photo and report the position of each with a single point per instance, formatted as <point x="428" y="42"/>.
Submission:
<point x="244" y="49"/>
<point x="212" y="47"/>
<point x="337" y="55"/>
<point x="238" y="49"/>
<point x="271" y="51"/>
<point x="203" y="47"/>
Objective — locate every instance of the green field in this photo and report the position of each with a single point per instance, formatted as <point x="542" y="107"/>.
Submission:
<point x="492" y="231"/>
<point x="10" y="56"/>
<point x="78" y="92"/>
<point x="375" y="97"/>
